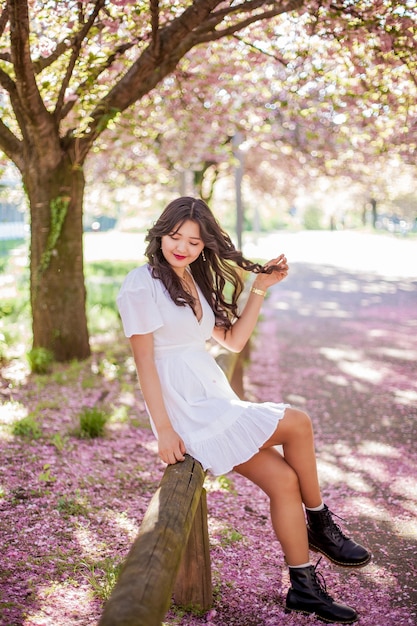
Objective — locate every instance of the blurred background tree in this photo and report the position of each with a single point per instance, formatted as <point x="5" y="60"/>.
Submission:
<point x="154" y="92"/>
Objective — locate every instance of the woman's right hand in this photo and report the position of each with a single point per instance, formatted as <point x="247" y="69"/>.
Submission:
<point x="171" y="447"/>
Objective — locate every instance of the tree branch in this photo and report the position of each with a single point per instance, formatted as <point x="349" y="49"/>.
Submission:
<point x="38" y="122"/>
<point x="76" y="47"/>
<point x="175" y="40"/>
<point x="11" y="145"/>
<point x="249" y="44"/>
<point x="4" y="18"/>
<point x="9" y="85"/>
<point x="248" y="7"/>
<point x="155" y="26"/>
<point x="94" y="75"/>
<point x="207" y="31"/>
<point x="148" y="70"/>
<point x="40" y="64"/>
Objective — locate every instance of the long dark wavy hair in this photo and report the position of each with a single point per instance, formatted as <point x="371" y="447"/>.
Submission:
<point x="220" y="266"/>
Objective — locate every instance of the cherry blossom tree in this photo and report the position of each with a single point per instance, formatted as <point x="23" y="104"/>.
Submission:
<point x="302" y="111"/>
<point x="70" y="70"/>
<point x="298" y="127"/>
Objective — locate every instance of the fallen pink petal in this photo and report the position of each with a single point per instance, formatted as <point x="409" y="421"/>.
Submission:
<point x="340" y="344"/>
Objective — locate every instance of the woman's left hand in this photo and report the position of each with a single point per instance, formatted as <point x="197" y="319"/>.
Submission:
<point x="236" y="337"/>
<point x="279" y="267"/>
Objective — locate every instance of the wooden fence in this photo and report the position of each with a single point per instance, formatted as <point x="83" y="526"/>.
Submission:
<point x="170" y="554"/>
<point x="170" y="557"/>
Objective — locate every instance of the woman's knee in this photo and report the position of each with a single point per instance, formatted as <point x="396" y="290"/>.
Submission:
<point x="297" y="422"/>
<point x="269" y="470"/>
<point x="281" y="481"/>
<point x="286" y="488"/>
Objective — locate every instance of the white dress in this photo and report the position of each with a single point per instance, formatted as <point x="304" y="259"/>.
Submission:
<point x="218" y="428"/>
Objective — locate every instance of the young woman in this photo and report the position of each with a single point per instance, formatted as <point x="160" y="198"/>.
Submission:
<point x="169" y="308"/>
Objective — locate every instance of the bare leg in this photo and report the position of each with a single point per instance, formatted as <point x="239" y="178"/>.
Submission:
<point x="290" y="481"/>
<point x="271" y="472"/>
<point x="295" y="433"/>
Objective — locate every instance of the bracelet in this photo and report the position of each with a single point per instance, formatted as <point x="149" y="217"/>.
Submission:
<point x="259" y="292"/>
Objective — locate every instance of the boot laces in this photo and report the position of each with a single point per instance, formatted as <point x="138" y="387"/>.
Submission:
<point x="320" y="582"/>
<point x="335" y="527"/>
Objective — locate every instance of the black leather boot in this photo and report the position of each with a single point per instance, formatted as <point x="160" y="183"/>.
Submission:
<point x="308" y="594"/>
<point x="325" y="536"/>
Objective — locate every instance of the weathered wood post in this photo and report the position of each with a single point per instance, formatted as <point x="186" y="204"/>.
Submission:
<point x="170" y="556"/>
<point x="193" y="587"/>
<point x="143" y="592"/>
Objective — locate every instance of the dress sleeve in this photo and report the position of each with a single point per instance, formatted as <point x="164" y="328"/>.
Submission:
<point x="138" y="308"/>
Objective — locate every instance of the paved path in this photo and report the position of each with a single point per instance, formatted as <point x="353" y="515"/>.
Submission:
<point x="383" y="254"/>
<point x="379" y="253"/>
<point x="339" y="339"/>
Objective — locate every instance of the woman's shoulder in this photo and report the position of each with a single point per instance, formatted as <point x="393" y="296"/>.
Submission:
<point x="140" y="273"/>
<point x="139" y="276"/>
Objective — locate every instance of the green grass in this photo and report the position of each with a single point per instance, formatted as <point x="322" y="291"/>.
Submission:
<point x="103" y="281"/>
<point x="229" y="536"/>
<point x="92" y="423"/>
<point x="68" y="506"/>
<point x="6" y="247"/>
<point x="102" y="576"/>
<point x="27" y="427"/>
<point x="40" y="360"/>
<point x="109" y="269"/>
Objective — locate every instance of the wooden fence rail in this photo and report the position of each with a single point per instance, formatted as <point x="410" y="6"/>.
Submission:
<point x="170" y="556"/>
<point x="143" y="592"/>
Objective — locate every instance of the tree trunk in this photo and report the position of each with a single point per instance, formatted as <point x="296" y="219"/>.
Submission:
<point x="58" y="296"/>
<point x="374" y="212"/>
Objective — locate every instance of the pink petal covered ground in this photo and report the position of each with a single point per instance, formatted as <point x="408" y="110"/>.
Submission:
<point x="340" y="345"/>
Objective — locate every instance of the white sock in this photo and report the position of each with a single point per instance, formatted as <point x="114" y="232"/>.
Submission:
<point x="299" y="566"/>
<point x="316" y="508"/>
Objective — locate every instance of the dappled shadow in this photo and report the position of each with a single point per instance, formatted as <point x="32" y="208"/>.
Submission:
<point x="343" y="346"/>
<point x="69" y="507"/>
<point x="338" y="344"/>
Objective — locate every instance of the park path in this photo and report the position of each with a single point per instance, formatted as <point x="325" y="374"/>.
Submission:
<point x="379" y="253"/>
<point x="342" y="345"/>
<point x="339" y="342"/>
<point x="338" y="338"/>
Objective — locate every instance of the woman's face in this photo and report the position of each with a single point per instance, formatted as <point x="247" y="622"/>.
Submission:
<point x="182" y="246"/>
